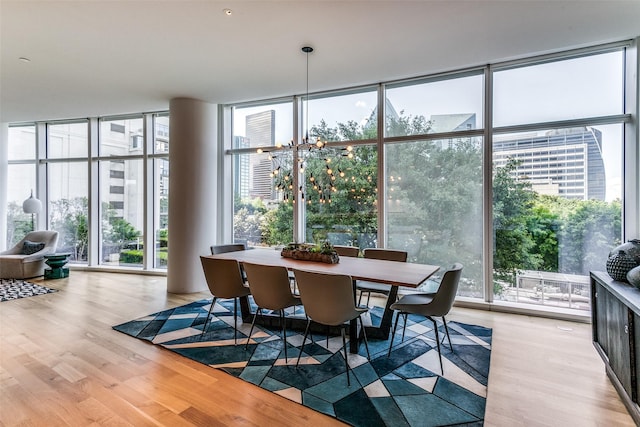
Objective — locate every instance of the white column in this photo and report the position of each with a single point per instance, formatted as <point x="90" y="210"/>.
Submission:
<point x="192" y="191"/>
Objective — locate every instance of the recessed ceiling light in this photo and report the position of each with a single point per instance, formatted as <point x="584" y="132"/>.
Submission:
<point x="227" y="12"/>
<point x="24" y="59"/>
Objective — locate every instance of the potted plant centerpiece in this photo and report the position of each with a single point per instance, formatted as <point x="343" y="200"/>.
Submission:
<point x="308" y="252"/>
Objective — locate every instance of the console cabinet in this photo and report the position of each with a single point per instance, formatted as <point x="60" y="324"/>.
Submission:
<point x="615" y="319"/>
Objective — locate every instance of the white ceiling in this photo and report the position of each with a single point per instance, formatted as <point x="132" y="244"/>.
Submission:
<point x="96" y="58"/>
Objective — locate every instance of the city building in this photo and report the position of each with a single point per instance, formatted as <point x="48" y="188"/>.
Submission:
<point x="566" y="163"/>
<point x="261" y="133"/>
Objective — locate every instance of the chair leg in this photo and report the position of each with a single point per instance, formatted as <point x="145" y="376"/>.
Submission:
<point x="306" y="332"/>
<point x="364" y="334"/>
<point x="284" y="334"/>
<point x="346" y="362"/>
<point x="446" y="328"/>
<point x="435" y="328"/>
<point x="368" y="297"/>
<point x="360" y="298"/>
<point x="235" y="321"/>
<point x="204" y="328"/>
<point x="393" y="333"/>
<point x="259" y="310"/>
<point x="404" y="327"/>
<point x="328" y="330"/>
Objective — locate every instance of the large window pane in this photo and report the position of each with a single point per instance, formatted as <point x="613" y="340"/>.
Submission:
<point x="345" y="117"/>
<point x="67" y="140"/>
<point x="263" y="126"/>
<point x="68" y="207"/>
<point x="261" y="216"/>
<point x="341" y="197"/>
<point x="22" y="143"/>
<point x="589" y="86"/>
<point x="121" y="198"/>
<point x="21" y="180"/>
<point x="121" y="137"/>
<point x="557" y="212"/>
<point x="161" y="211"/>
<point x="437" y="106"/>
<point x="161" y="133"/>
<point x="434" y="205"/>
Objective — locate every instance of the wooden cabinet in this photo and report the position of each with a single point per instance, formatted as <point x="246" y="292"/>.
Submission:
<point x="615" y="318"/>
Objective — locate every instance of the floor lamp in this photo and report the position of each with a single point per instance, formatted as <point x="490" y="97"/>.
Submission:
<point x="32" y="206"/>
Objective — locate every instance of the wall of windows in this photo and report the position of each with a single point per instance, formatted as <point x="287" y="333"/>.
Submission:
<point x="118" y="224"/>
<point x="513" y="169"/>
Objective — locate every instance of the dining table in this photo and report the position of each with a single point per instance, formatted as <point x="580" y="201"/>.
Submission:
<point x="392" y="273"/>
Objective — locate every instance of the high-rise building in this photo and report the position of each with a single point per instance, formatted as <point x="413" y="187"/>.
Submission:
<point x="261" y="133"/>
<point x="564" y="162"/>
<point x="241" y="168"/>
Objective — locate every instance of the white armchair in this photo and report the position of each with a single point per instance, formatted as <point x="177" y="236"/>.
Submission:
<point x="18" y="263"/>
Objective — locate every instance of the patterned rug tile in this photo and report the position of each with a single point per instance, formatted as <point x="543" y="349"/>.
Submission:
<point x="11" y="289"/>
<point x="429" y="410"/>
<point x="405" y="389"/>
<point x="460" y="397"/>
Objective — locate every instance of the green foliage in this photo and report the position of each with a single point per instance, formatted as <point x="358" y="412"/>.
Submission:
<point x="407" y="125"/>
<point x="121" y="232"/>
<point x="69" y="218"/>
<point x="131" y="256"/>
<point x="434" y="203"/>
<point x="512" y="205"/>
<point x="163" y="256"/>
<point x="586" y="231"/>
<point x="163" y="237"/>
<point x="278" y="225"/>
<point x="18" y="224"/>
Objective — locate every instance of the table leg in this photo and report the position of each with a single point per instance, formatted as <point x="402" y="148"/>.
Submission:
<point x="382" y="332"/>
<point x="245" y="310"/>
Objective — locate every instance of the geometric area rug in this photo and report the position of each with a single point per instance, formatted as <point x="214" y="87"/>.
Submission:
<point x="405" y="389"/>
<point x="11" y="289"/>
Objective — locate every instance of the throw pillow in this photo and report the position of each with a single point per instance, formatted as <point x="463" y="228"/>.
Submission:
<point x="29" y="248"/>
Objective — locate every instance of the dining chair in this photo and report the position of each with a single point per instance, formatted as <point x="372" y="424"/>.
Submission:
<point x="351" y="251"/>
<point x="328" y="300"/>
<point x="430" y="305"/>
<point x="233" y="247"/>
<point x="380" y="288"/>
<point x="225" y="281"/>
<point x="270" y="289"/>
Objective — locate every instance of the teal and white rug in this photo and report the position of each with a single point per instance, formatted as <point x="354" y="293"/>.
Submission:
<point x="11" y="289"/>
<point x="406" y="389"/>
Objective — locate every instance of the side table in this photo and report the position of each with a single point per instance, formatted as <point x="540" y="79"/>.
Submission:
<point x="56" y="262"/>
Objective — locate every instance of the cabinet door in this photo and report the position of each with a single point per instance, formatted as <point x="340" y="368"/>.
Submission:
<point x="602" y="296"/>
<point x="619" y="324"/>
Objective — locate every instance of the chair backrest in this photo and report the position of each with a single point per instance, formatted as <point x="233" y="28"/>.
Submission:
<point x="352" y="251"/>
<point x="446" y="293"/>
<point x="48" y="237"/>
<point x="385" y="254"/>
<point x="224" y="277"/>
<point x="327" y="298"/>
<point x="233" y="247"/>
<point x="269" y="284"/>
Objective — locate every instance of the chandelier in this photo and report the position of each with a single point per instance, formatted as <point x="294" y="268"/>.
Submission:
<point x="307" y="150"/>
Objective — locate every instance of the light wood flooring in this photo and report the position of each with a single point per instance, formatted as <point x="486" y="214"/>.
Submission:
<point x="61" y="364"/>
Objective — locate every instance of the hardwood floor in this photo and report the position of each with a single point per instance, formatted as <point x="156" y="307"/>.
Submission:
<point x="61" y="364"/>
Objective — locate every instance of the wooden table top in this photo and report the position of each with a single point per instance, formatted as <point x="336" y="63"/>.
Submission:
<point x="372" y="270"/>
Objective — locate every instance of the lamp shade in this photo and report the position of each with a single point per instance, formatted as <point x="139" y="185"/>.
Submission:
<point x="31" y="205"/>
